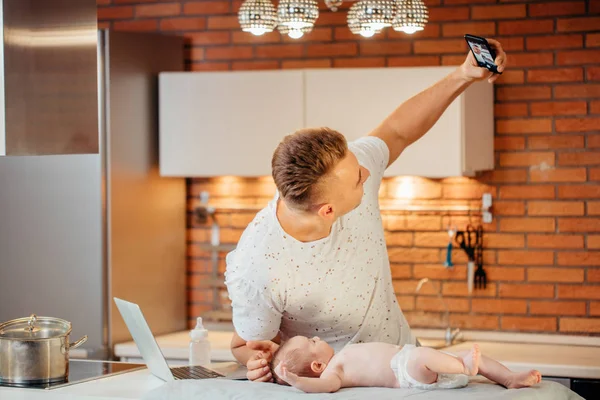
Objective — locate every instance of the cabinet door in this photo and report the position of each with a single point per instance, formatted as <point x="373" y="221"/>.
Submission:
<point x="355" y="101"/>
<point x="224" y="123"/>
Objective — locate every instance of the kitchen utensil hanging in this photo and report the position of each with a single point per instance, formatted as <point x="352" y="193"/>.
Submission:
<point x="480" y="275"/>
<point x="451" y="232"/>
<point x="469" y="240"/>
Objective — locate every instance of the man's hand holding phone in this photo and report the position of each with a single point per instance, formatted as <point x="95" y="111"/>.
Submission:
<point x="478" y="64"/>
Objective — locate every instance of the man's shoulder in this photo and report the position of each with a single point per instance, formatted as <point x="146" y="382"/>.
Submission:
<point x="366" y="144"/>
<point x="367" y="141"/>
<point x="259" y="232"/>
<point x="372" y="152"/>
<point x="258" y="250"/>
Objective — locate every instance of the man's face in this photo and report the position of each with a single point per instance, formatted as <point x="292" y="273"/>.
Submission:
<point x="476" y="49"/>
<point x="344" y="188"/>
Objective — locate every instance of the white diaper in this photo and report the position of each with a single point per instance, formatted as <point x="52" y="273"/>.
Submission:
<point x="445" y="381"/>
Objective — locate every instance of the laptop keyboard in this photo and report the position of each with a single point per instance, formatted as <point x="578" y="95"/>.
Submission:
<point x="194" y="372"/>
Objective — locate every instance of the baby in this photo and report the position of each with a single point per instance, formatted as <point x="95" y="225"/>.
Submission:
<point x="310" y="365"/>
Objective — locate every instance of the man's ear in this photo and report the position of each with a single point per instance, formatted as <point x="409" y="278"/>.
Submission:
<point x="317" y="366"/>
<point x="326" y="211"/>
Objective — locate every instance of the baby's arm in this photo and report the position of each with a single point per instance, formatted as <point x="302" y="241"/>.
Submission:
<point x="327" y="383"/>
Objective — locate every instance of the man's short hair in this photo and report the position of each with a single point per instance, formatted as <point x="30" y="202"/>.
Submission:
<point x="302" y="160"/>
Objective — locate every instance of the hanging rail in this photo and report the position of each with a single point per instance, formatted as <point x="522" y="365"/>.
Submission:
<point x="482" y="209"/>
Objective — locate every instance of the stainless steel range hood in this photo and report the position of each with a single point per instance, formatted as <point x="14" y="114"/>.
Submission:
<point x="48" y="77"/>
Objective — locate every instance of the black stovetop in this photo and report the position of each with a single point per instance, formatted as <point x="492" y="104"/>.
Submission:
<point x="83" y="370"/>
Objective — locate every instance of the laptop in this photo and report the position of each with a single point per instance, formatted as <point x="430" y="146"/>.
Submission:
<point x="151" y="353"/>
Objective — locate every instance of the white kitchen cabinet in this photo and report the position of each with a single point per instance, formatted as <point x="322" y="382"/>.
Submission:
<point x="355" y="101"/>
<point x="226" y="123"/>
<point x="229" y="123"/>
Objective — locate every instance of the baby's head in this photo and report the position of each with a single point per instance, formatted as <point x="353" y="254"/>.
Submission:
<point x="302" y="356"/>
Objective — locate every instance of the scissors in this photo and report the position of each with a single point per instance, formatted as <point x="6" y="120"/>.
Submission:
<point x="469" y="240"/>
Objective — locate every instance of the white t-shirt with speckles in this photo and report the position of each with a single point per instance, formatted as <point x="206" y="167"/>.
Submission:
<point x="338" y="288"/>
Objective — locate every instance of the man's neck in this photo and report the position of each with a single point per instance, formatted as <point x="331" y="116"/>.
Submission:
<point x="301" y="226"/>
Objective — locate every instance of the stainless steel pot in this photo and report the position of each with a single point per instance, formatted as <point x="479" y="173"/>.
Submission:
<point x="35" y="350"/>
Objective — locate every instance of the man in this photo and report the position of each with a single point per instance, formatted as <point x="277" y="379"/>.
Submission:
<point x="314" y="261"/>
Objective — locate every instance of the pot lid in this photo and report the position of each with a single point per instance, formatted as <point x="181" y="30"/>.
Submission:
<point x="35" y="327"/>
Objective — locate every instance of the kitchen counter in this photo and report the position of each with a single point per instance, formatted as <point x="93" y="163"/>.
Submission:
<point x="137" y="384"/>
<point x="552" y="360"/>
<point x="131" y="385"/>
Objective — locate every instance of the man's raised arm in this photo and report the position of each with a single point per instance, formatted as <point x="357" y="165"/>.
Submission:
<point x="415" y="117"/>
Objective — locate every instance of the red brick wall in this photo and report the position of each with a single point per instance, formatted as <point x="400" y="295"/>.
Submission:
<point x="542" y="251"/>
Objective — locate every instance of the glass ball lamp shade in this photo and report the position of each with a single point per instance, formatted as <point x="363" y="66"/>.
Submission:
<point x="257" y="16"/>
<point x="376" y="14"/>
<point x="297" y="15"/>
<point x="411" y="16"/>
<point x="354" y="22"/>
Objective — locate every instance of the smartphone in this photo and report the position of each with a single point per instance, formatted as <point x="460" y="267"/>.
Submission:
<point x="483" y="52"/>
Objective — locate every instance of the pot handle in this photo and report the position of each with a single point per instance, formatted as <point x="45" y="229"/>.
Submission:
<point x="31" y="323"/>
<point x="78" y="343"/>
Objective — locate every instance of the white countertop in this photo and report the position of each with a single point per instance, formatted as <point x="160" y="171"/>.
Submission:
<point x="130" y="385"/>
<point x="549" y="359"/>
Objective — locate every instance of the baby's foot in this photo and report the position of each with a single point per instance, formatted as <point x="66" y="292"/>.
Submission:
<point x="471" y="361"/>
<point x="519" y="380"/>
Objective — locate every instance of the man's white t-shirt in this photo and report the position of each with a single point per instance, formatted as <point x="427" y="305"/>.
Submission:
<point x="338" y="288"/>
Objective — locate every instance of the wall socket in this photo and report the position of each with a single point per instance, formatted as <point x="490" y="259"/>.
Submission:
<point x="486" y="204"/>
<point x="203" y="211"/>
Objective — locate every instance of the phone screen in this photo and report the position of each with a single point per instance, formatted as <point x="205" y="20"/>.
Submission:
<point x="483" y="55"/>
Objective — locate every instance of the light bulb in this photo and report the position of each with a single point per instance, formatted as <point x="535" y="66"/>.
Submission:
<point x="257" y="31"/>
<point x="409" y="29"/>
<point x="295" y="33"/>
<point x="367" y="32"/>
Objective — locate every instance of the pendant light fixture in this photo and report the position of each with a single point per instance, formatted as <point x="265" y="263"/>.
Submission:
<point x="365" y="17"/>
<point x="297" y="17"/>
<point x="376" y="14"/>
<point x="354" y="24"/>
<point x="257" y="16"/>
<point x="411" y="16"/>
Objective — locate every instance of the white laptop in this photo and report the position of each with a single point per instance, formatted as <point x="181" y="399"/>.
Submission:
<point x="155" y="360"/>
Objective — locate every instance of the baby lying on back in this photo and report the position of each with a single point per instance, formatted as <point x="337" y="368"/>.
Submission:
<point x="310" y="365"/>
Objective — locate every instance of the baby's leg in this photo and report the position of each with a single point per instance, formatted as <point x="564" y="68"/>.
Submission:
<point x="495" y="371"/>
<point x="425" y="364"/>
